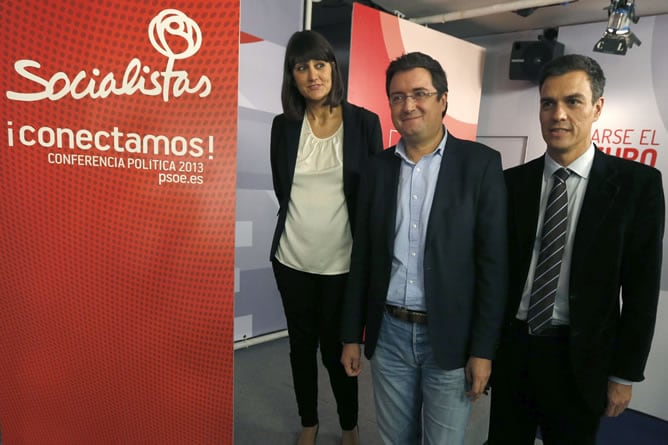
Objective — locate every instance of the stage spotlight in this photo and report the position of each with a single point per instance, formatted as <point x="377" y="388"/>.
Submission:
<point x="618" y="36"/>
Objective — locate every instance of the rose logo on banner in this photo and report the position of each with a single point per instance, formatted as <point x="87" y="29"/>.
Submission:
<point x="136" y="77"/>
<point x="178" y="24"/>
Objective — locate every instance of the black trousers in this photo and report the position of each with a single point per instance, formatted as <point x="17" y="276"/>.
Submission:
<point x="533" y="385"/>
<point x="312" y="305"/>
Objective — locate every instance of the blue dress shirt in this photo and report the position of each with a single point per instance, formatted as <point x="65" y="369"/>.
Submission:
<point x="417" y="183"/>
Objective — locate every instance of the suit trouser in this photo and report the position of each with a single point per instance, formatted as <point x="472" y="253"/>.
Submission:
<point x="533" y="385"/>
<point x="312" y="305"/>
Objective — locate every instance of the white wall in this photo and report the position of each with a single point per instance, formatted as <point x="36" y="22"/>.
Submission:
<point x="636" y="93"/>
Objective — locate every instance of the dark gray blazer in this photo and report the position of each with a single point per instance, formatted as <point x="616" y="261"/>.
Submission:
<point x="464" y="259"/>
<point x="361" y="140"/>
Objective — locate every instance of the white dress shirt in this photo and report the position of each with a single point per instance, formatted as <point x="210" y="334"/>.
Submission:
<point x="576" y="186"/>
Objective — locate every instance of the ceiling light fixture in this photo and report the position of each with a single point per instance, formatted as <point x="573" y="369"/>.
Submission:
<point x="618" y="36"/>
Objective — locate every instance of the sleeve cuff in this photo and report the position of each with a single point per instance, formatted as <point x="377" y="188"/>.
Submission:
<point x="620" y="381"/>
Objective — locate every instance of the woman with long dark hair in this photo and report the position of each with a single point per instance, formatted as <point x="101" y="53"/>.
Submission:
<point x="320" y="146"/>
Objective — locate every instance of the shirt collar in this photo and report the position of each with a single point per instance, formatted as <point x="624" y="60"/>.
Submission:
<point x="581" y="166"/>
<point x="401" y="147"/>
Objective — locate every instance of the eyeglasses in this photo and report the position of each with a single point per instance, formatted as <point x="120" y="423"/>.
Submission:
<point x="418" y="96"/>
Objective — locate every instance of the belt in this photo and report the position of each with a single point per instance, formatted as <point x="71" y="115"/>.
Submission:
<point x="401" y="313"/>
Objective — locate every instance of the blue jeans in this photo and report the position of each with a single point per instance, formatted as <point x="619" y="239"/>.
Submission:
<point x="407" y="382"/>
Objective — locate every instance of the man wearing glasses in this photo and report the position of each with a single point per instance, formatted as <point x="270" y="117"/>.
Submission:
<point x="428" y="271"/>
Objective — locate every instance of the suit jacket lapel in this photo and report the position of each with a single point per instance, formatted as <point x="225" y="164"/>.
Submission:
<point x="445" y="185"/>
<point x="292" y="130"/>
<point x="390" y="184"/>
<point x="602" y="189"/>
<point x="524" y="190"/>
<point x="525" y="207"/>
<point x="351" y="140"/>
<point x="349" y="136"/>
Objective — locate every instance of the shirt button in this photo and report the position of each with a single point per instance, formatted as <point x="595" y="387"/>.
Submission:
<point x="415" y="226"/>
<point x="413" y="253"/>
<point x="410" y="281"/>
<point x="414" y="196"/>
<point x="418" y="169"/>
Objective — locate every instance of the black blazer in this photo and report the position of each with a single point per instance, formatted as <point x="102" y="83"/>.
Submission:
<point x="618" y="244"/>
<point x="464" y="258"/>
<point x="361" y="139"/>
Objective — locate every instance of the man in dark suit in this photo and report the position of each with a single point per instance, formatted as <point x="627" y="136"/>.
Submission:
<point x="569" y="350"/>
<point x="428" y="269"/>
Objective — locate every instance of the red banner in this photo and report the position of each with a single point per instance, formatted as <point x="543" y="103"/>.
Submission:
<point x="117" y="189"/>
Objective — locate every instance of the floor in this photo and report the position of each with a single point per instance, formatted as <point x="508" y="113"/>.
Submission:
<point x="266" y="412"/>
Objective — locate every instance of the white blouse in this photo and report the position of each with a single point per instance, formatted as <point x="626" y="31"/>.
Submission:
<point x="317" y="237"/>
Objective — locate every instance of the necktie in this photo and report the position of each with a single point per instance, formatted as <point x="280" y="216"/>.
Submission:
<point x="552" y="242"/>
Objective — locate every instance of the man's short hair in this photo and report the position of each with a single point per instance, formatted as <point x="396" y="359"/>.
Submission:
<point x="576" y="62"/>
<point x="418" y="60"/>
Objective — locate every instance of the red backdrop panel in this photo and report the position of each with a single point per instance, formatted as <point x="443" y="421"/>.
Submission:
<point x="117" y="257"/>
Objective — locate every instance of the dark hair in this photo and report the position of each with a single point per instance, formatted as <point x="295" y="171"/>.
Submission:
<point x="302" y="47"/>
<point x="576" y="62"/>
<point x="418" y="60"/>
